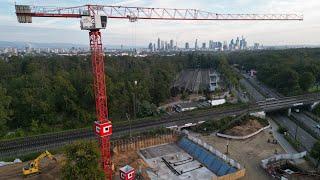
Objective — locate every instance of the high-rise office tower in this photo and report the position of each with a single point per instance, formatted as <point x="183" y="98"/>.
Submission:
<point x="158" y="44"/>
<point x="150" y="47"/>
<point x="187" y="45"/>
<point x="171" y="44"/>
<point x="204" y="46"/>
<point x="162" y="45"/>
<point x="196" y="44"/>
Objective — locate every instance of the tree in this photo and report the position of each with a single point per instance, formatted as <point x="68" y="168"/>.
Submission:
<point x="4" y="110"/>
<point x="315" y="152"/>
<point x="287" y="81"/>
<point x="306" y="81"/>
<point x="82" y="161"/>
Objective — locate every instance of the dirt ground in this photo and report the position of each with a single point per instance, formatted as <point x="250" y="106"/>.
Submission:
<point x="248" y="127"/>
<point x="131" y="158"/>
<point x="50" y="170"/>
<point x="248" y="153"/>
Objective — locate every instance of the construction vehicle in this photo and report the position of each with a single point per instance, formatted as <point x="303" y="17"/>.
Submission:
<point x="34" y="166"/>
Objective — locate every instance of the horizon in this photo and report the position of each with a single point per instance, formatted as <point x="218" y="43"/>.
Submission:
<point x="121" y="32"/>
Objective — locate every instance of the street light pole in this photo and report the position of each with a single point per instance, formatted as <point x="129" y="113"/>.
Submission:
<point x="295" y="136"/>
<point x="134" y="99"/>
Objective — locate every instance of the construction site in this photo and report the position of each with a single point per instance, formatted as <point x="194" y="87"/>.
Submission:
<point x="243" y="149"/>
<point x="174" y="155"/>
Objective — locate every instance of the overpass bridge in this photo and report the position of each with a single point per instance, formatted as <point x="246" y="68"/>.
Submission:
<point x="274" y="104"/>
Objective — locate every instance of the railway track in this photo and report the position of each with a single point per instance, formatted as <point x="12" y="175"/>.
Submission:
<point x="26" y="145"/>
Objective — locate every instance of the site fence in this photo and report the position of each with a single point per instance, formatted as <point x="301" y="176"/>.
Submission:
<point x="275" y="158"/>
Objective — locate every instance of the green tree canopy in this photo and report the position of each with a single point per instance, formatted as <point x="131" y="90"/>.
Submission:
<point x="306" y="81"/>
<point x="82" y="161"/>
<point x="315" y="152"/>
<point x="4" y="110"/>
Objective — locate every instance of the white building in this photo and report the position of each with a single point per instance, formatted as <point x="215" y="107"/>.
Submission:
<point x="214" y="80"/>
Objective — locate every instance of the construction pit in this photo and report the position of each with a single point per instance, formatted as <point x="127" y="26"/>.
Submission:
<point x="166" y="156"/>
<point x="175" y="156"/>
<point x="171" y="162"/>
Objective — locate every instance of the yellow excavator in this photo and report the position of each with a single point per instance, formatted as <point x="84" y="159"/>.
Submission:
<point x="34" y="166"/>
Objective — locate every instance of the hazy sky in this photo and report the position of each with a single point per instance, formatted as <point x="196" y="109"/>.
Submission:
<point x="144" y="31"/>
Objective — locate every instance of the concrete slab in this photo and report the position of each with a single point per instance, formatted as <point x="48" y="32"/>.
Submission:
<point x="182" y="165"/>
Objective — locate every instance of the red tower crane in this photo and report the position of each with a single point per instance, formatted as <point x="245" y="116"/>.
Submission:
<point x="94" y="17"/>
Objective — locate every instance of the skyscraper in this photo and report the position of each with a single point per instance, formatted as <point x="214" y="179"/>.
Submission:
<point x="171" y="44"/>
<point x="158" y="44"/>
<point x="204" y="46"/>
<point x="150" y="47"/>
<point x="162" y="45"/>
<point x="196" y="44"/>
<point x="187" y="45"/>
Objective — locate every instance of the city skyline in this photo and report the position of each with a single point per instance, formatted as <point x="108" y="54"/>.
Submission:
<point x="233" y="44"/>
<point x="140" y="33"/>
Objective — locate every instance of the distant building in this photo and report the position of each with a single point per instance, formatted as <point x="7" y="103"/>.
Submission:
<point x="204" y="46"/>
<point x="214" y="80"/>
<point x="187" y="45"/>
<point x="196" y="44"/>
<point x="158" y="44"/>
<point x="171" y="44"/>
<point x="150" y="47"/>
<point x="256" y="46"/>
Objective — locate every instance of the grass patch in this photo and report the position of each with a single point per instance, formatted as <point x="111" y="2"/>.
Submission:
<point x="313" y="89"/>
<point x="211" y="126"/>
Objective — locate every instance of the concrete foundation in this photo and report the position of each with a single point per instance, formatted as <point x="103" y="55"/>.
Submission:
<point x="168" y="161"/>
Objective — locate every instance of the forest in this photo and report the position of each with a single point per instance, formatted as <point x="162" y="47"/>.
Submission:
<point x="40" y="94"/>
<point x="290" y="72"/>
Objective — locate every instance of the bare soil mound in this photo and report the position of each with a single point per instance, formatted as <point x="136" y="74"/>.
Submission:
<point x="248" y="127"/>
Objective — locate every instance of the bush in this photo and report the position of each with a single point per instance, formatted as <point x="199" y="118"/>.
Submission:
<point x="282" y="130"/>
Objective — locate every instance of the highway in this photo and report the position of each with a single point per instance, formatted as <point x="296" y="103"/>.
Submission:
<point x="308" y="122"/>
<point x="254" y="94"/>
<point x="282" y="102"/>
<point x="302" y="136"/>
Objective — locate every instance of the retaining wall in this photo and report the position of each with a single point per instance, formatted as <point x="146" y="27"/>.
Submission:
<point x="242" y="137"/>
<point x="135" y="143"/>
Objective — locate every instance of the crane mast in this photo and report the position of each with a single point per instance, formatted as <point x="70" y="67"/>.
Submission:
<point x="94" y="17"/>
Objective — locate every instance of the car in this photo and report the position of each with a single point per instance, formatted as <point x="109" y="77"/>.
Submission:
<point x="297" y="110"/>
<point x="318" y="126"/>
